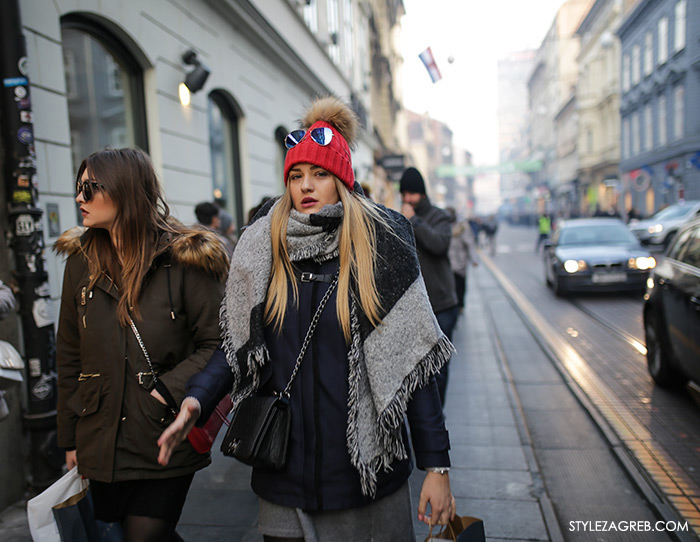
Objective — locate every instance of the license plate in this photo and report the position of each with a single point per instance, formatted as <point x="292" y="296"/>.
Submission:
<point x="605" y="278"/>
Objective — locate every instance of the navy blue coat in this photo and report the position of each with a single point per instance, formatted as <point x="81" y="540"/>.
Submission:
<point x="318" y="474"/>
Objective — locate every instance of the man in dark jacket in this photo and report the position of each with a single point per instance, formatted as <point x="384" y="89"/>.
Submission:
<point x="433" y="231"/>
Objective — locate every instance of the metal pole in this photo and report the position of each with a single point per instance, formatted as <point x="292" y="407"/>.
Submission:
<point x="27" y="242"/>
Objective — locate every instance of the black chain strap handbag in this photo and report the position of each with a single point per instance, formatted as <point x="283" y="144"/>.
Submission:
<point x="259" y="431"/>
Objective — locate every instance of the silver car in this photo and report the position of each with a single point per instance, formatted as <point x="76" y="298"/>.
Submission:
<point x="660" y="228"/>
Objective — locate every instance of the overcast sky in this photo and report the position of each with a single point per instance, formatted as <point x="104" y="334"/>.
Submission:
<point x="476" y="33"/>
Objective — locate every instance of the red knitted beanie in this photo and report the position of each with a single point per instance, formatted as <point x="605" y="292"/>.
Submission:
<point x="328" y="112"/>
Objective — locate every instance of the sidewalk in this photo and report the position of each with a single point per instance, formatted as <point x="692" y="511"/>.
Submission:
<point x="494" y="475"/>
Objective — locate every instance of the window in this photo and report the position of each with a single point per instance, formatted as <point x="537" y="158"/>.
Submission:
<point x="648" y="53"/>
<point x="636" y="63"/>
<point x="635" y="133"/>
<point x="589" y="138"/>
<point x="311" y="15"/>
<point x="679" y="26"/>
<point x="648" y="128"/>
<point x="223" y="116"/>
<point x="663" y="134"/>
<point x="680" y="242"/>
<point x="333" y="31"/>
<point x="663" y="40"/>
<point x="348" y="41"/>
<point x="678" y="108"/>
<point x="626" y="138"/>
<point x="104" y="85"/>
<point x="626" y="73"/>
<point x="691" y="254"/>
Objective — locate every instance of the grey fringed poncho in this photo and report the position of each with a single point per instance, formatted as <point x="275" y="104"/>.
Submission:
<point x="386" y="364"/>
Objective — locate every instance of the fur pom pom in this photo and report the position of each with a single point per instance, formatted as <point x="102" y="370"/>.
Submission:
<point x="336" y="113"/>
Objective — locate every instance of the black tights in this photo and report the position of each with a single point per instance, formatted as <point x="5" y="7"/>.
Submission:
<point x="144" y="529"/>
<point x="267" y="538"/>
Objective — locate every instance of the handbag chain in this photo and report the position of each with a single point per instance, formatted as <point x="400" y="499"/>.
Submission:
<point x="309" y="333"/>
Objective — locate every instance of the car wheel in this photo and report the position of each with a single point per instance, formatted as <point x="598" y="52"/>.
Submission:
<point x="658" y="357"/>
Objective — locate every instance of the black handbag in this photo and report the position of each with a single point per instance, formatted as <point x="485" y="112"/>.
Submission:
<point x="259" y="431"/>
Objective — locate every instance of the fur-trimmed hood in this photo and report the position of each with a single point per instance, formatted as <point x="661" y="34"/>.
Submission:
<point x="192" y="247"/>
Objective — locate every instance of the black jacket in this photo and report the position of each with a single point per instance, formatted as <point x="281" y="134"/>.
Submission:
<point x="318" y="474"/>
<point x="433" y="230"/>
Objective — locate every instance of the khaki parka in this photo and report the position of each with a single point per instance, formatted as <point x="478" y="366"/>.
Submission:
<point x="103" y="411"/>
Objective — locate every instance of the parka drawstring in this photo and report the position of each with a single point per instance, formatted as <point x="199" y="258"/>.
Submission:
<point x="167" y="266"/>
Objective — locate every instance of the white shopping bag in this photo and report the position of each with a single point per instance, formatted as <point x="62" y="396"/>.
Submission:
<point x="39" y="509"/>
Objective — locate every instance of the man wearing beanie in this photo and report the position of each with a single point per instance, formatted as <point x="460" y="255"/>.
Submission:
<point x="433" y="232"/>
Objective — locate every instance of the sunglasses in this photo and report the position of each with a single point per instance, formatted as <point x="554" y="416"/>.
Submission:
<point x="320" y="136"/>
<point x="88" y="188"/>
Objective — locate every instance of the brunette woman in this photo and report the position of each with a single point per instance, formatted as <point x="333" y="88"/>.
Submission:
<point x="370" y="362"/>
<point x="141" y="295"/>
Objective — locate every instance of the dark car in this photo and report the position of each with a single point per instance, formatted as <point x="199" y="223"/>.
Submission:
<point x="595" y="254"/>
<point x="672" y="312"/>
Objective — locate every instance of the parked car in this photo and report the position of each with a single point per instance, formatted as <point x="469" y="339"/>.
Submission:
<point x="595" y="254"/>
<point x="660" y="228"/>
<point x="672" y="312"/>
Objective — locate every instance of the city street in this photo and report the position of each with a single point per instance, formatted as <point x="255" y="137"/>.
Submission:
<point x="597" y="343"/>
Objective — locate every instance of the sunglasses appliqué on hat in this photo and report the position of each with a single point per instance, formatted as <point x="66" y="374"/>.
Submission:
<point x="320" y="136"/>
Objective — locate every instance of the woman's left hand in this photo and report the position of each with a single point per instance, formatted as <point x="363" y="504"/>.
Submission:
<point x="436" y="491"/>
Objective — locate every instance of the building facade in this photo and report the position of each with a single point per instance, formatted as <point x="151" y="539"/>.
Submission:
<point x="513" y="133"/>
<point x="599" y="104"/>
<point x="109" y="74"/>
<point x="659" y="110"/>
<point x="551" y="86"/>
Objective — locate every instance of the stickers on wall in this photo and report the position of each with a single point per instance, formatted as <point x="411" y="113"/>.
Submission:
<point x="43" y="388"/>
<point x="22" y="196"/>
<point x="25" y="135"/>
<point x="21" y="92"/>
<point x="42" y="310"/>
<point x="53" y="219"/>
<point x="23" y="65"/>
<point x="15" y="82"/>
<point x="24" y="226"/>
<point x="26" y="116"/>
<point x="34" y="365"/>
<point x="23" y="181"/>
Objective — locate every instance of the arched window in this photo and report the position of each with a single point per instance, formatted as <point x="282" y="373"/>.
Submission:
<point x="280" y="134"/>
<point x="104" y="88"/>
<point x="224" y="115"/>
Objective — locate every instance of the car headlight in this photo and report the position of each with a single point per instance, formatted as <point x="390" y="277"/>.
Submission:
<point x="642" y="263"/>
<point x="650" y="283"/>
<point x="656" y="228"/>
<point x="572" y="266"/>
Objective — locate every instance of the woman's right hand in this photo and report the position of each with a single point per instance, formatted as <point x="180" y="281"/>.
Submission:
<point x="71" y="459"/>
<point x="179" y="429"/>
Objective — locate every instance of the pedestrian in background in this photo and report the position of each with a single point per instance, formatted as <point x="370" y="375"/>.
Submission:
<point x="7" y="300"/>
<point x="433" y="231"/>
<point x="462" y="254"/>
<point x="544" y="228"/>
<point x="135" y="283"/>
<point x="491" y="229"/>
<point x="209" y="216"/>
<point x="370" y="363"/>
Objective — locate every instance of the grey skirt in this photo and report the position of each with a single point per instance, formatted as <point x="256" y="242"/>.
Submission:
<point x="387" y="520"/>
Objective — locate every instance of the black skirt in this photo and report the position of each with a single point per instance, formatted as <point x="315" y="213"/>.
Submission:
<point x="157" y="498"/>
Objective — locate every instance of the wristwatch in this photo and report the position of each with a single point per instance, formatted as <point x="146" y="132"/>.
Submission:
<point x="439" y="470"/>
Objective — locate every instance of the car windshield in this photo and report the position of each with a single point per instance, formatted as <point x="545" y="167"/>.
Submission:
<point x="597" y="234"/>
<point x="673" y="212"/>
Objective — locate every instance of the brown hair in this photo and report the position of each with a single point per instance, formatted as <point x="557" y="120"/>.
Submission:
<point x="128" y="178"/>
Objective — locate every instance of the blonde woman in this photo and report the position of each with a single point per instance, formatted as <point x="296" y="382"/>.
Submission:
<point x="370" y="362"/>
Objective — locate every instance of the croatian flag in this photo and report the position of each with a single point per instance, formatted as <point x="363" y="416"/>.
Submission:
<point x="430" y="65"/>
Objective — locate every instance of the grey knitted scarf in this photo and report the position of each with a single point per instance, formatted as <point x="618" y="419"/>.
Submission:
<point x="387" y="364"/>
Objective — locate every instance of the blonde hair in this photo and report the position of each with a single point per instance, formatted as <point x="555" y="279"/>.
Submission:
<point x="357" y="254"/>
